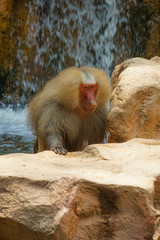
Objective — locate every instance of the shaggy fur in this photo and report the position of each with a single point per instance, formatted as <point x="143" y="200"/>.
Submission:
<point x="54" y="115"/>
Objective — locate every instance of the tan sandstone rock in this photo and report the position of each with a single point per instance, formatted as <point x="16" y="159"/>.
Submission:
<point x="135" y="100"/>
<point x="109" y="191"/>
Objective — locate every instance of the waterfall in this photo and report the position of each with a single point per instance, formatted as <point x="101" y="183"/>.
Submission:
<point x="83" y="31"/>
<point x="57" y="34"/>
<point x="65" y="33"/>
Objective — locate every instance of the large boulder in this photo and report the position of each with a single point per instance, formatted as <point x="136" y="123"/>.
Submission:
<point x="135" y="100"/>
<point x="105" y="192"/>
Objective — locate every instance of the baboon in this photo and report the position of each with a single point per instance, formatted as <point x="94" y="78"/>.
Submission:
<point x="70" y="112"/>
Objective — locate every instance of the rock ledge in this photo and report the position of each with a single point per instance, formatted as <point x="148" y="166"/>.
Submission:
<point x="109" y="191"/>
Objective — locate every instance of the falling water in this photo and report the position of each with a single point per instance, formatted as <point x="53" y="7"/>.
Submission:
<point x="59" y="34"/>
<point x="65" y="33"/>
<point x="83" y="31"/>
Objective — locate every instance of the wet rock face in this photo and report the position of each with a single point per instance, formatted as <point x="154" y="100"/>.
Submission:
<point x="137" y="30"/>
<point x="135" y="100"/>
<point x="108" y="191"/>
<point x="40" y="38"/>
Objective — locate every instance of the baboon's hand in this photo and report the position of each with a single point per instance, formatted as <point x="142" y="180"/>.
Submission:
<point x="59" y="150"/>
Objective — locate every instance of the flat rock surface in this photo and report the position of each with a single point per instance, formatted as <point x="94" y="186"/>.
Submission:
<point x="108" y="191"/>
